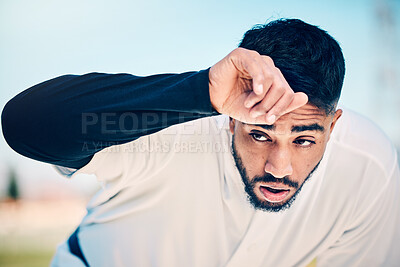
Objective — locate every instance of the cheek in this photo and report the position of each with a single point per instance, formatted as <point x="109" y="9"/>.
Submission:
<point x="303" y="163"/>
<point x="253" y="158"/>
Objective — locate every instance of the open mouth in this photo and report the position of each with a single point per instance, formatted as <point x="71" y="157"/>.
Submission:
<point x="274" y="194"/>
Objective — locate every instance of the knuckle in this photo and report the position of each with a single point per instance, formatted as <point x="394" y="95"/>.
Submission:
<point x="267" y="107"/>
<point x="253" y="53"/>
<point x="253" y="97"/>
<point x="237" y="53"/>
<point x="266" y="104"/>
<point x="285" y="88"/>
<point x="278" y="71"/>
<point x="238" y="50"/>
<point x="280" y="87"/>
<point x="245" y="52"/>
<point x="289" y="90"/>
<point x="259" y="78"/>
<point x="268" y="75"/>
<point x="277" y="110"/>
<point x="290" y="97"/>
<point x="268" y="60"/>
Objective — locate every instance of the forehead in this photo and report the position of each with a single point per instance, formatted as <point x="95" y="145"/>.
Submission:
<point x="304" y="114"/>
<point x="307" y="117"/>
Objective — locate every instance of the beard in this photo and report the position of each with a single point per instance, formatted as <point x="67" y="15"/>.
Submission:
<point x="250" y="185"/>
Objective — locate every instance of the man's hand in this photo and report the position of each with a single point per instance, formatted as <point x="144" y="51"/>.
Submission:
<point x="248" y="87"/>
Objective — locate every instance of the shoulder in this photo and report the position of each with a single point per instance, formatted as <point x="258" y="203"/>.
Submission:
<point x="358" y="135"/>
<point x="361" y="167"/>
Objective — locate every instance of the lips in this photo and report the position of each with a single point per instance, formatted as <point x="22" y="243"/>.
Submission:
<point x="274" y="194"/>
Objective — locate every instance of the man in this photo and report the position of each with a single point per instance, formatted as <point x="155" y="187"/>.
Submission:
<point x="178" y="183"/>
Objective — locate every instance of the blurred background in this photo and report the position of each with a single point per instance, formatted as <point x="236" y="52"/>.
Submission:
<point x="43" y="39"/>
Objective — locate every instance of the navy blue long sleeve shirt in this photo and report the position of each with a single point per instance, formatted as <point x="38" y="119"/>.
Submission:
<point x="66" y="120"/>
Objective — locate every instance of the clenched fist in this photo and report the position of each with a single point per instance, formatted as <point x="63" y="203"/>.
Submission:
<point x="248" y="87"/>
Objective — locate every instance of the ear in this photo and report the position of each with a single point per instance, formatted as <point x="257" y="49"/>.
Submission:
<point x="232" y="123"/>
<point x="337" y="115"/>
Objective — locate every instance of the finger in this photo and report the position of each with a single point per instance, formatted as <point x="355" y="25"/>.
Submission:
<point x="299" y="100"/>
<point x="258" y="84"/>
<point x="278" y="88"/>
<point x="247" y="62"/>
<point x="262" y="67"/>
<point x="277" y="94"/>
<point x="253" y="98"/>
<point x="271" y="115"/>
<point x="285" y="105"/>
<point x="260" y="90"/>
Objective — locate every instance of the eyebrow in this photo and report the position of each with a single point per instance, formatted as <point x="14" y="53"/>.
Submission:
<point x="297" y="128"/>
<point x="311" y="127"/>
<point x="267" y="127"/>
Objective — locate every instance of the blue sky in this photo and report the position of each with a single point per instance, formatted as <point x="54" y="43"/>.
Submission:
<point x="42" y="39"/>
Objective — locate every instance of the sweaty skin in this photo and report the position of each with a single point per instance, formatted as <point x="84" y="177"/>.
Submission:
<point x="291" y="148"/>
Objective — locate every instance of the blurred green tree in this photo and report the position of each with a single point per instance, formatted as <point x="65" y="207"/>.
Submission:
<point x="13" y="188"/>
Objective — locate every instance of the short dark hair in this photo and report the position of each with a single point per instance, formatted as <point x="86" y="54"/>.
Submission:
<point x="309" y="58"/>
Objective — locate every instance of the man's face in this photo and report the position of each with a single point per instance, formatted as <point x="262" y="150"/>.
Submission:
<point x="275" y="160"/>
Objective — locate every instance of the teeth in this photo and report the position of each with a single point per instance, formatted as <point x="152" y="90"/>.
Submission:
<point x="274" y="190"/>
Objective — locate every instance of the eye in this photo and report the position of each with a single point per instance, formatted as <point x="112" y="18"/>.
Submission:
<point x="259" y="137"/>
<point x="304" y="142"/>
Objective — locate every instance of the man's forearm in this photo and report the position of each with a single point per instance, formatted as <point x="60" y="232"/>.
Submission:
<point x="66" y="120"/>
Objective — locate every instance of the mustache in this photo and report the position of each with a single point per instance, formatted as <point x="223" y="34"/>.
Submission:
<point x="268" y="178"/>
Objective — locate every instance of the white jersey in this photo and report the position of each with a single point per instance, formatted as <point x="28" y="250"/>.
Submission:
<point x="175" y="198"/>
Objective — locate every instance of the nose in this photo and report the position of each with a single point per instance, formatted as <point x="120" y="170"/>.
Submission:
<point x="279" y="163"/>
